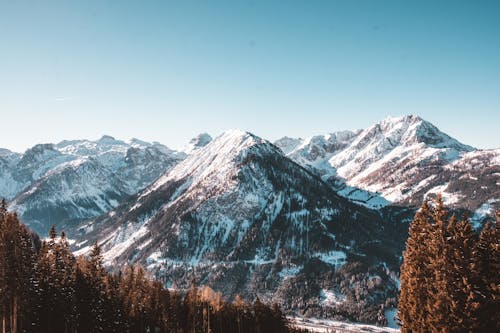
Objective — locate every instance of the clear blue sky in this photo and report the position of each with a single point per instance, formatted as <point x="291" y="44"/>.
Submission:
<point x="167" y="70"/>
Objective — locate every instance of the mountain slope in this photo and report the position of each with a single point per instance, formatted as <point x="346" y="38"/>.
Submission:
<point x="80" y="179"/>
<point x="8" y="185"/>
<point x="399" y="161"/>
<point x="74" y="191"/>
<point x="242" y="218"/>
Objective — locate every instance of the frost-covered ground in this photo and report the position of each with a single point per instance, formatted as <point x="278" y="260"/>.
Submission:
<point x="332" y="326"/>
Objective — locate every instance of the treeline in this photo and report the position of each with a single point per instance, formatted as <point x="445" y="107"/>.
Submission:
<point x="44" y="288"/>
<point x="450" y="277"/>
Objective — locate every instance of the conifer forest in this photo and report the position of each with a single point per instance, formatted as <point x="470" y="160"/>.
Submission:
<point x="450" y="279"/>
<point x="44" y="288"/>
<point x="449" y="283"/>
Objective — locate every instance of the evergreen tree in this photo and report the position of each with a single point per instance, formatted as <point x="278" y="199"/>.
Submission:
<point x="437" y="283"/>
<point x="415" y="271"/>
<point x="449" y="278"/>
<point x="95" y="275"/>
<point x="82" y="311"/>
<point x="460" y="275"/>
<point x="486" y="268"/>
<point x="17" y="273"/>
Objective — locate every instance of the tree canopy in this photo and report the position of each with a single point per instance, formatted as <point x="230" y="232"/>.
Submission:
<point x="450" y="278"/>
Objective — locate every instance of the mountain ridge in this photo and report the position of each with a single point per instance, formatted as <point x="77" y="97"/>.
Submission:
<point x="317" y="225"/>
<point x="239" y="209"/>
<point x="393" y="162"/>
<point x="74" y="180"/>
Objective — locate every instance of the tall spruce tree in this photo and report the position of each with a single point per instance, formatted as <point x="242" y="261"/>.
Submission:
<point x="4" y="266"/>
<point x="17" y="274"/>
<point x="460" y="280"/>
<point x="449" y="278"/>
<point x="414" y="273"/>
<point x="437" y="283"/>
<point x="486" y="270"/>
<point x="96" y="275"/>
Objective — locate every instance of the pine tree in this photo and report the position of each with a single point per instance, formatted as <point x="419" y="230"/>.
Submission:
<point x="4" y="266"/>
<point x="17" y="273"/>
<point x="460" y="275"/>
<point x="449" y="279"/>
<point x="437" y="283"/>
<point x="26" y="279"/>
<point x="192" y="302"/>
<point x="63" y="266"/>
<point x="82" y="309"/>
<point x="415" y="272"/>
<point x="240" y="308"/>
<point x="56" y="285"/>
<point x="487" y="279"/>
<point x="95" y="275"/>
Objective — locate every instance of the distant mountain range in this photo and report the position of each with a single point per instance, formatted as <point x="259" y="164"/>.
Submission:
<point x="315" y="224"/>
<point x="401" y="161"/>
<point x="67" y="182"/>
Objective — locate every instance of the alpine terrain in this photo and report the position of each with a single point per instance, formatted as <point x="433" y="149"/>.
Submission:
<point x="401" y="161"/>
<point x="71" y="181"/>
<point x="317" y="225"/>
<point x="241" y="217"/>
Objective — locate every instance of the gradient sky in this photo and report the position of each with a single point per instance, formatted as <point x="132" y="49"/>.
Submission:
<point x="166" y="71"/>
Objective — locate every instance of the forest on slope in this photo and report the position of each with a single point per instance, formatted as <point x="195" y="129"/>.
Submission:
<point x="449" y="276"/>
<point x="449" y="283"/>
<point x="44" y="288"/>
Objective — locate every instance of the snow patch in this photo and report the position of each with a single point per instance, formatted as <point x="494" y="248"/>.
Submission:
<point x="481" y="213"/>
<point x="334" y="258"/>
<point x="330" y="297"/>
<point x="290" y="271"/>
<point x="327" y="326"/>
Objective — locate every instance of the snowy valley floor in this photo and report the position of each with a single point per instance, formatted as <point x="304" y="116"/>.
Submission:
<point x="331" y="326"/>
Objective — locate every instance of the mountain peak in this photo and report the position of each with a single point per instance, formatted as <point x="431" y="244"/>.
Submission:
<point x="138" y="143"/>
<point x="288" y="144"/>
<point x="410" y="130"/>
<point x="236" y="140"/>
<point x="237" y="134"/>
<point x="409" y="118"/>
<point x="400" y="124"/>
<point x="220" y="157"/>
<point x="429" y="134"/>
<point x="107" y="139"/>
<point x="40" y="149"/>
<point x="199" y="141"/>
<point x="202" y="139"/>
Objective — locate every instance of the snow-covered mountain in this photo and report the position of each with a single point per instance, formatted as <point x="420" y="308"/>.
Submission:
<point x="317" y="225"/>
<point x="401" y="161"/>
<point x="8" y="185"/>
<point x="197" y="142"/>
<point x="74" y="180"/>
<point x="243" y="218"/>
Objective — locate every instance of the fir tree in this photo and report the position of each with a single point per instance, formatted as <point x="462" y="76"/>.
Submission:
<point x="449" y="279"/>
<point x="486" y="268"/>
<point x="95" y="275"/>
<point x="415" y="271"/>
